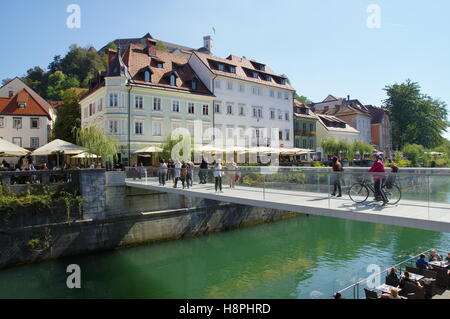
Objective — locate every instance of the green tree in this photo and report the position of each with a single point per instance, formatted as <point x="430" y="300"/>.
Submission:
<point x="37" y="78"/>
<point x="414" y="153"/>
<point x="362" y="149"/>
<point x="416" y="118"/>
<point x="68" y="116"/>
<point x="167" y="147"/>
<point x="303" y="99"/>
<point x="58" y="82"/>
<point x="97" y="142"/>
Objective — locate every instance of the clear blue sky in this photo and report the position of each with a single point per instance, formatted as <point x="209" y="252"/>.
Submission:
<point x="324" y="46"/>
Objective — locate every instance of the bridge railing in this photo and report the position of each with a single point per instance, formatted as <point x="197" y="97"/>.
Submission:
<point x="429" y="192"/>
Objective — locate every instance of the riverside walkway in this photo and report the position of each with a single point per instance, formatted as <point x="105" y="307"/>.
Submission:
<point x="419" y="214"/>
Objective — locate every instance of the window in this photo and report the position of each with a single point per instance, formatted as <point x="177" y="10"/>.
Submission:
<point x="17" y="141"/>
<point x="139" y="128"/>
<point x="268" y="78"/>
<point x="242" y="110"/>
<point x="280" y="115"/>
<point x="113" y="100"/>
<point x="205" y="109"/>
<point x="194" y="84"/>
<point x="176" y="106"/>
<point x="286" y="96"/>
<point x="229" y="85"/>
<point x="156" y="104"/>
<point x="157" y="128"/>
<point x="280" y="135"/>
<point x="100" y="105"/>
<point x="90" y="110"/>
<point x="287" y="135"/>
<point x="304" y="126"/>
<point x="286" y="116"/>
<point x="230" y="132"/>
<point x="260" y="91"/>
<point x="255" y="75"/>
<point x="229" y="109"/>
<point x="139" y="102"/>
<point x="217" y="107"/>
<point x="159" y="65"/>
<point x="272" y="114"/>
<point x="147" y="76"/>
<point x="191" y="108"/>
<point x="255" y="90"/>
<point x="304" y="143"/>
<point x="2" y="122"/>
<point x="257" y="112"/>
<point x="221" y="67"/>
<point x="17" y="122"/>
<point x="311" y="144"/>
<point x="279" y="95"/>
<point x="272" y="93"/>
<point x="173" y="80"/>
<point x="34" y="122"/>
<point x="283" y="81"/>
<point x="217" y="84"/>
<point x="311" y="127"/>
<point x="113" y="126"/>
<point x="241" y="88"/>
<point x="232" y="69"/>
<point x="34" y="142"/>
<point x="21" y="105"/>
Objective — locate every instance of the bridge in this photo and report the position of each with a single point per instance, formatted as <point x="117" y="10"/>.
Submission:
<point x="308" y="192"/>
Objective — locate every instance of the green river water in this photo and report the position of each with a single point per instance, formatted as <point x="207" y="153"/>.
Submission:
<point x="304" y="257"/>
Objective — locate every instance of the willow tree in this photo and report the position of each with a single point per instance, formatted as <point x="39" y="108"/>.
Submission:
<point x="361" y="148"/>
<point x="97" y="142"/>
<point x="330" y="146"/>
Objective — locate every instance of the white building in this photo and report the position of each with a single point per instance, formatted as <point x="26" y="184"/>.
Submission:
<point x="26" y="119"/>
<point x="253" y="105"/>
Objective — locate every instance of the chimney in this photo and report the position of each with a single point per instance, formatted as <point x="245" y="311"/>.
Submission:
<point x="348" y="98"/>
<point x="207" y="43"/>
<point x="151" y="47"/>
<point x="111" y="55"/>
<point x="11" y="93"/>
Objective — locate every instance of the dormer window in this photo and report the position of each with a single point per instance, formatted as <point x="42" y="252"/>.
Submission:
<point x="21" y="105"/>
<point x="268" y="78"/>
<point x="232" y="69"/>
<point x="194" y="84"/>
<point x="255" y="75"/>
<point x="221" y="67"/>
<point x="173" y="81"/>
<point x="283" y="81"/>
<point x="159" y="65"/>
<point x="261" y="68"/>
<point x="147" y="76"/>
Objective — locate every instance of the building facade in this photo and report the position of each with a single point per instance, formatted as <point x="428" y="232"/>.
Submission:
<point x="26" y="119"/>
<point x="381" y="130"/>
<point x="252" y="106"/>
<point x="351" y="111"/>
<point x="145" y="95"/>
<point x="305" y="126"/>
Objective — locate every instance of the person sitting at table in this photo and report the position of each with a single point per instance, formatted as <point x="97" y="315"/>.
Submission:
<point x="447" y="259"/>
<point x="422" y="261"/>
<point x="434" y="256"/>
<point x="406" y="278"/>
<point x="394" y="294"/>
<point x="393" y="273"/>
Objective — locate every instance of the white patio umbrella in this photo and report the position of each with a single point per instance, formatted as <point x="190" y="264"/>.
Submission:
<point x="59" y="147"/>
<point x="10" y="149"/>
<point x="86" y="155"/>
<point x="264" y="149"/>
<point x="210" y="149"/>
<point x="236" y="149"/>
<point x="149" y="149"/>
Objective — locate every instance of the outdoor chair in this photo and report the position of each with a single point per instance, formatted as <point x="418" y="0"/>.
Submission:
<point x="419" y="294"/>
<point x="429" y="274"/>
<point x="413" y="270"/>
<point x="441" y="277"/>
<point x="370" y="294"/>
<point x="409" y="288"/>
<point x="421" y="267"/>
<point x="391" y="281"/>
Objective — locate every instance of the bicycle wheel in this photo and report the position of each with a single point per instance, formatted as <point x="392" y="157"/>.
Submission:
<point x="393" y="194"/>
<point x="358" y="193"/>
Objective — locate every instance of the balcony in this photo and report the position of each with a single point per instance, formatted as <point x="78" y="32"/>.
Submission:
<point x="304" y="133"/>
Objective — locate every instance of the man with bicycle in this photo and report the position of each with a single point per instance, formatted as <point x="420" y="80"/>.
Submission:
<point x="378" y="167"/>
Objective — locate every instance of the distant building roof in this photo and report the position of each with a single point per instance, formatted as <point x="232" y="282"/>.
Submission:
<point x="332" y="123"/>
<point x="32" y="104"/>
<point x="377" y="114"/>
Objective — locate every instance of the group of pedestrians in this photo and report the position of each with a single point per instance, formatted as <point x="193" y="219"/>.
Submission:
<point x="183" y="171"/>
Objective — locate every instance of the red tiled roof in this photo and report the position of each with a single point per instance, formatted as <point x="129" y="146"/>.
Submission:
<point x="242" y="65"/>
<point x="10" y="106"/>
<point x="137" y="60"/>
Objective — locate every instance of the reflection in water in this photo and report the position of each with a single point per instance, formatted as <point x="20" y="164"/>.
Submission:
<point x="305" y="257"/>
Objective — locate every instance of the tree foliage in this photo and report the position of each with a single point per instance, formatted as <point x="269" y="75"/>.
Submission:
<point x="303" y="99"/>
<point x="97" y="142"/>
<point x="345" y="149"/>
<point x="68" y="116"/>
<point x="416" y="118"/>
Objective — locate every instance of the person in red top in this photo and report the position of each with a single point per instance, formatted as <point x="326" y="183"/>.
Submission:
<point x="378" y="167"/>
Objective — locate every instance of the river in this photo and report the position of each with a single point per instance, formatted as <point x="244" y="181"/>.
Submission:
<point x="304" y="257"/>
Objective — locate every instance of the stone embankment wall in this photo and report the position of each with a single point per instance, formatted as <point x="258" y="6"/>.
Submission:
<point x="117" y="216"/>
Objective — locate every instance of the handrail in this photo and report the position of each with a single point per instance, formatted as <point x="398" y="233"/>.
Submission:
<point x="383" y="271"/>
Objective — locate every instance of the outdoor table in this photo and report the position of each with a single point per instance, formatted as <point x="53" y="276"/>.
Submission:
<point x="415" y="277"/>
<point x="440" y="264"/>
<point x="387" y="288"/>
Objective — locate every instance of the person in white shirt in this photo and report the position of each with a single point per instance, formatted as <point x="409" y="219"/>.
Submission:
<point x="162" y="173"/>
<point x="177" y="173"/>
<point x="218" y="176"/>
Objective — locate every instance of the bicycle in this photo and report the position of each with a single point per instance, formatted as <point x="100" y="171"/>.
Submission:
<point x="360" y="191"/>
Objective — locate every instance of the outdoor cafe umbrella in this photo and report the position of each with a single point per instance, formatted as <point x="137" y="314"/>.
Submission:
<point x="86" y="155"/>
<point x="10" y="149"/>
<point x="149" y="150"/>
<point x="59" y="147"/>
<point x="264" y="149"/>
